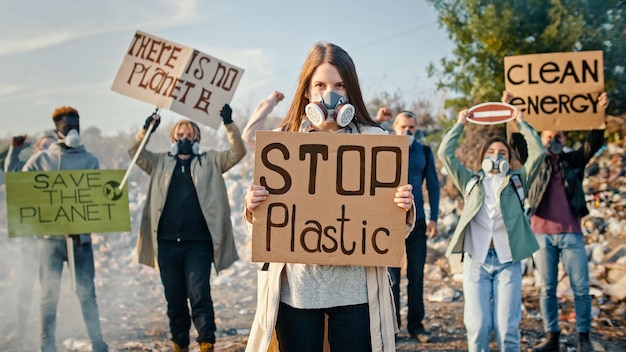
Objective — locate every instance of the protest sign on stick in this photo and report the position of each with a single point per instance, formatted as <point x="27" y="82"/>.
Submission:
<point x="177" y="77"/>
<point x="331" y="198"/>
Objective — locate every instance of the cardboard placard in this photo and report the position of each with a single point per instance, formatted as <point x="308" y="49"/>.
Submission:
<point x="177" y="77"/>
<point x="66" y="202"/>
<point x="557" y="91"/>
<point x="331" y="198"/>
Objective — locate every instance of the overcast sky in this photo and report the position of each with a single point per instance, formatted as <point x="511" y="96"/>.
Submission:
<point x="67" y="52"/>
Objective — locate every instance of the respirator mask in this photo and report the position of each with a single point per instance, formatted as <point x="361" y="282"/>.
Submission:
<point x="555" y="147"/>
<point x="495" y="163"/>
<point x="411" y="136"/>
<point x="185" y="147"/>
<point x="71" y="139"/>
<point x="329" y="107"/>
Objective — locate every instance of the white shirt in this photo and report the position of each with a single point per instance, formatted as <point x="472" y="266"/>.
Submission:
<point x="487" y="225"/>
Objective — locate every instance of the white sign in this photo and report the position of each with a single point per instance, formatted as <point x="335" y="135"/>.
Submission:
<point x="177" y="77"/>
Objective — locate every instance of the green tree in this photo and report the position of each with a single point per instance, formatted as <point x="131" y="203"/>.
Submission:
<point x="485" y="31"/>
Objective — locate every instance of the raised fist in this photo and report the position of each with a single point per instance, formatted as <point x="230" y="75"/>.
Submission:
<point x="227" y="114"/>
<point x="18" y="141"/>
<point x="154" y="117"/>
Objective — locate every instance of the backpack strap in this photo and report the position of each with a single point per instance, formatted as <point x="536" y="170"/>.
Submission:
<point x="517" y="182"/>
<point x="472" y="182"/>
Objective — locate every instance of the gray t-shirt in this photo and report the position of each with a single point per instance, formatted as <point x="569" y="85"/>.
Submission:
<point x="307" y="286"/>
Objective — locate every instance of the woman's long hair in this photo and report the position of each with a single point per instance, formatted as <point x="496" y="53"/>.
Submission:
<point x="320" y="53"/>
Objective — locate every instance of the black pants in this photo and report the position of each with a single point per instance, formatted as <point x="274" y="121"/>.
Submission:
<point x="302" y="330"/>
<point x="416" y="258"/>
<point x="185" y="273"/>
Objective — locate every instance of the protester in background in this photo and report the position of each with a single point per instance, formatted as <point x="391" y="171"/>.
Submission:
<point x="557" y="203"/>
<point x="28" y="259"/>
<point x="259" y="116"/>
<point x="186" y="223"/>
<point x="359" y="319"/>
<point x="421" y="168"/>
<point x="493" y="234"/>
<point x="67" y="154"/>
<point x="18" y="144"/>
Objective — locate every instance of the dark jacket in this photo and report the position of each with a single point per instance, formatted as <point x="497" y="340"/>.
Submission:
<point x="573" y="166"/>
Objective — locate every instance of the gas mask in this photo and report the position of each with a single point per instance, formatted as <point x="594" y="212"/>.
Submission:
<point x="329" y="107"/>
<point x="71" y="139"/>
<point x="185" y="147"/>
<point x="495" y="163"/>
<point x="555" y="147"/>
<point x="411" y="136"/>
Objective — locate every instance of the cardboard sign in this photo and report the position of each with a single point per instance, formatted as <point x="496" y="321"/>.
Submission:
<point x="331" y="198"/>
<point x="176" y="77"/>
<point x="66" y="202"/>
<point x="557" y="91"/>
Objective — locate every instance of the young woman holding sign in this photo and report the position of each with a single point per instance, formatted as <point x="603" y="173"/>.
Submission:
<point x="493" y="234"/>
<point x="295" y="298"/>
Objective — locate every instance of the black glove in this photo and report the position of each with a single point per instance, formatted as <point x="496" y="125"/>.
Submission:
<point x="227" y="114"/>
<point x="18" y="141"/>
<point x="154" y="117"/>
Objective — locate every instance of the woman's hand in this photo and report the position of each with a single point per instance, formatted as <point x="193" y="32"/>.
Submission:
<point x="254" y="196"/>
<point x="462" y="117"/>
<point x="404" y="197"/>
<point x="507" y="97"/>
<point x="603" y="100"/>
<point x="519" y="117"/>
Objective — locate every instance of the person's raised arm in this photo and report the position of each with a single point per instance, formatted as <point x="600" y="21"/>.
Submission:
<point x="228" y="158"/>
<point x="259" y="116"/>
<point x="12" y="161"/>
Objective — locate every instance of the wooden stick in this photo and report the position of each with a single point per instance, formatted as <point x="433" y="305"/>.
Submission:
<point x="71" y="264"/>
<point x="141" y="146"/>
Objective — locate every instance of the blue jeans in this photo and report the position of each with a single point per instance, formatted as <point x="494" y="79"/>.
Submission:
<point x="52" y="254"/>
<point x="493" y="299"/>
<point x="302" y="330"/>
<point x="185" y="273"/>
<point x="570" y="249"/>
<point x="415" y="258"/>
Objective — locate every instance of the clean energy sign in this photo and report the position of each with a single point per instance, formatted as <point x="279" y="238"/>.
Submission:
<point x="66" y="202"/>
<point x="557" y="91"/>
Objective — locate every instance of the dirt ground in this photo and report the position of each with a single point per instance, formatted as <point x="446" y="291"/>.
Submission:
<point x="133" y="315"/>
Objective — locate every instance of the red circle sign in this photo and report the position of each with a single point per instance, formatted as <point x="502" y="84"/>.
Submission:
<point x="491" y="113"/>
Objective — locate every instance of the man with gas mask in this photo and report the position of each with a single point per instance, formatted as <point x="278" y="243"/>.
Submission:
<point x="556" y="202"/>
<point x="421" y="168"/>
<point x="67" y="154"/>
<point x="186" y="223"/>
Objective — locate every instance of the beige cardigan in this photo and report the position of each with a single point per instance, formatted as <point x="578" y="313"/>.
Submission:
<point x="383" y="325"/>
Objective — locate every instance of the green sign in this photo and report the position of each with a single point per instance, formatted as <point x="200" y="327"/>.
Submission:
<point x="66" y="202"/>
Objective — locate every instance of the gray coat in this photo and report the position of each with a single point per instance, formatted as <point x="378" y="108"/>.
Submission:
<point x="206" y="170"/>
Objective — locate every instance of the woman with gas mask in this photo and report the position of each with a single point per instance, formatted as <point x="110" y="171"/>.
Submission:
<point x="493" y="233"/>
<point x="186" y="225"/>
<point x="327" y="99"/>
